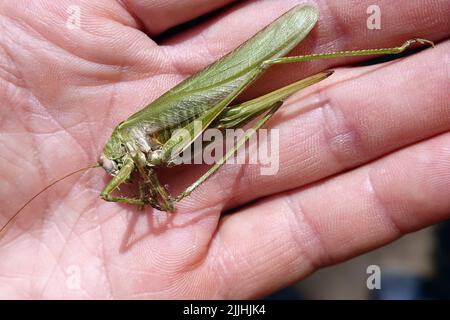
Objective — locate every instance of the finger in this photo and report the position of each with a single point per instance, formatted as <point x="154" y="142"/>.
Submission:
<point x="341" y="26"/>
<point x="160" y="15"/>
<point x="284" y="238"/>
<point x="361" y="114"/>
<point x="74" y="53"/>
<point x="96" y="32"/>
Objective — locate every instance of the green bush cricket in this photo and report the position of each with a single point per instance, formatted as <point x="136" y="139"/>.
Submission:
<point x="148" y="139"/>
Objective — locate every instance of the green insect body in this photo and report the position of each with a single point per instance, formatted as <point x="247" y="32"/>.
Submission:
<point x="146" y="140"/>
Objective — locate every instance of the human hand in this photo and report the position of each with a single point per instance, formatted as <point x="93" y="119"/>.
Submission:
<point x="367" y="165"/>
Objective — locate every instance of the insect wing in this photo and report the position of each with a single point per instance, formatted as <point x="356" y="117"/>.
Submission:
<point x="223" y="80"/>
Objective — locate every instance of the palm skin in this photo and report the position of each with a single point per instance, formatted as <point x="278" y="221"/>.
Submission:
<point x="65" y="89"/>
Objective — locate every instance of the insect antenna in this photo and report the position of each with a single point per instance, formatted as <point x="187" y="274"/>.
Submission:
<point x="43" y="190"/>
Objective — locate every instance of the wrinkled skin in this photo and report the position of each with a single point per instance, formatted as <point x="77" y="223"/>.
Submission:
<point x="368" y="165"/>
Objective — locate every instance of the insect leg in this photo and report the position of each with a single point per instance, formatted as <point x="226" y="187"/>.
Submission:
<point x="363" y="52"/>
<point x="240" y="114"/>
<point x="217" y="165"/>
<point x="120" y="178"/>
<point x="159" y="198"/>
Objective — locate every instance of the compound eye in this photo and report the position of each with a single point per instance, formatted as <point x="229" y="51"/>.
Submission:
<point x="107" y="164"/>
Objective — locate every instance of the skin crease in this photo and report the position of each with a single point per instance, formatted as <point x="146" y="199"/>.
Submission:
<point x="368" y="165"/>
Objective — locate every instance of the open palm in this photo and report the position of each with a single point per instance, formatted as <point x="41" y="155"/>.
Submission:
<point x="368" y="164"/>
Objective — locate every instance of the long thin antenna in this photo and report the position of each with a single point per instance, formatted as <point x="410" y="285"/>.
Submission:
<point x="47" y="187"/>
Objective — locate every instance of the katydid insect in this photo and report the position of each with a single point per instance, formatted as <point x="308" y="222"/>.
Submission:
<point x="146" y="140"/>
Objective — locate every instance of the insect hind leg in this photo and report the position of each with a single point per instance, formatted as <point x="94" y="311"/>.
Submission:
<point x="274" y="107"/>
<point x="351" y="53"/>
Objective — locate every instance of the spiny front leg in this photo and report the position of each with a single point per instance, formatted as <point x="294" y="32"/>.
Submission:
<point x="158" y="197"/>
<point x="121" y="177"/>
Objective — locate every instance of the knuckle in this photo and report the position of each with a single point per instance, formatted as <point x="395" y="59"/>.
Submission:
<point x="342" y="137"/>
